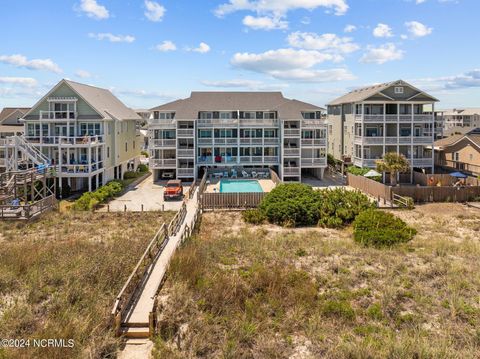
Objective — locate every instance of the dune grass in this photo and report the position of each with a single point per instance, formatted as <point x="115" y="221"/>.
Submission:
<point x="59" y="277"/>
<point x="244" y="291"/>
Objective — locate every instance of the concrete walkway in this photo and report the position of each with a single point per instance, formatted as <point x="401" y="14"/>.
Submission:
<point x="139" y="313"/>
<point x="148" y="193"/>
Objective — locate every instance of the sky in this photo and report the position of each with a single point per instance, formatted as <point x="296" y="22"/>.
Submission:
<point x="152" y="52"/>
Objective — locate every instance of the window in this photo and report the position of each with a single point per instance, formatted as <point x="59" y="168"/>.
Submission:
<point x="225" y="115"/>
<point x="249" y="115"/>
<point x="205" y="133"/>
<point x="166" y="115"/>
<point x="206" y="115"/>
<point x="90" y="129"/>
<point x="399" y="90"/>
<point x="270" y="133"/>
<point x="133" y="144"/>
<point x="269" y="115"/>
<point x="308" y="115"/>
<point x="456" y="156"/>
<point x="126" y="147"/>
<point x="156" y="115"/>
<point x="108" y="152"/>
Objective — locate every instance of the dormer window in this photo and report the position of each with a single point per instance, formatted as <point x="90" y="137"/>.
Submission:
<point x="398" y="90"/>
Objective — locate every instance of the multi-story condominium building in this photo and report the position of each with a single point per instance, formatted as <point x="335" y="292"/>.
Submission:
<point x="371" y="121"/>
<point x="87" y="134"/>
<point x="237" y="130"/>
<point x="460" y="121"/>
<point x="10" y="125"/>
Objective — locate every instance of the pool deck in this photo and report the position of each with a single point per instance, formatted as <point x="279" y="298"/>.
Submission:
<point x="266" y="184"/>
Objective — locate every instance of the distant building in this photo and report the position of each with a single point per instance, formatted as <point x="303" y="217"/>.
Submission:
<point x="10" y="125"/>
<point x="460" y="121"/>
<point x="459" y="152"/>
<point x="368" y="122"/>
<point x="237" y="130"/>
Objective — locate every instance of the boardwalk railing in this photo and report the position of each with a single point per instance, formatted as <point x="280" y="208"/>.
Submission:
<point x="203" y="184"/>
<point x="126" y="295"/>
<point x="27" y="211"/>
<point x="274" y="177"/>
<point x="176" y="222"/>
<point x="231" y="200"/>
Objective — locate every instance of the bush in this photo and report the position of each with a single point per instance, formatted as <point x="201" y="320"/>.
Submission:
<point x="89" y="200"/>
<point x="130" y="175"/>
<point x="142" y="168"/>
<point x="296" y="204"/>
<point x="144" y="153"/>
<point x="253" y="216"/>
<point x="340" y="207"/>
<point x="381" y="229"/>
<point x="358" y="171"/>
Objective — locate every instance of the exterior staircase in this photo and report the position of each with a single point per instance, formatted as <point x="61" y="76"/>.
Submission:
<point x="29" y="153"/>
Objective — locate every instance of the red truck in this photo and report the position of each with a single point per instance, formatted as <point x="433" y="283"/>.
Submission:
<point x="173" y="189"/>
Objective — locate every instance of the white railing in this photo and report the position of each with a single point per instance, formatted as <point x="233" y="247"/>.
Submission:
<point x="291" y="171"/>
<point x="79" y="169"/>
<point x="251" y="159"/>
<point x="373" y="118"/>
<point x="313" y="162"/>
<point x="419" y="162"/>
<point x="391" y="140"/>
<point x="58" y="115"/>
<point x="251" y="141"/>
<point x="205" y="141"/>
<point x="158" y="123"/>
<point x="225" y="141"/>
<point x="370" y="140"/>
<point x="231" y="122"/>
<point x="313" y="123"/>
<point x="291" y="152"/>
<point x="422" y="139"/>
<point x="271" y="141"/>
<point x="394" y="118"/>
<point x="185" y="172"/>
<point x="271" y="159"/>
<point x="260" y="122"/>
<point x="190" y="152"/>
<point x="162" y="163"/>
<point x="314" y="141"/>
<point x="291" y="132"/>
<point x="3" y="141"/>
<point x="65" y="140"/>
<point x="164" y="142"/>
<point x="185" y="132"/>
<point x="405" y="139"/>
<point x="2" y="162"/>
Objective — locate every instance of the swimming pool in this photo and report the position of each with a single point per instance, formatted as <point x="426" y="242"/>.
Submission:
<point x="239" y="186"/>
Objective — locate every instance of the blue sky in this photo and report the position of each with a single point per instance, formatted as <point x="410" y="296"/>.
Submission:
<point x="151" y="52"/>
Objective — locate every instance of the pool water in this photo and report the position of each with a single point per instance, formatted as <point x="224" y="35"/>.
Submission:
<point x="240" y="186"/>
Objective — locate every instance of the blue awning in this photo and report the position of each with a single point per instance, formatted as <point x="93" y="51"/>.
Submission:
<point x="458" y="175"/>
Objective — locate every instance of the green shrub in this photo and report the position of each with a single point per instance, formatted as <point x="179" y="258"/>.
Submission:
<point x="296" y="204"/>
<point x="144" y="153"/>
<point x="338" y="309"/>
<point x="130" y="175"/>
<point x="142" y="168"/>
<point x="381" y="229"/>
<point x="89" y="200"/>
<point x="359" y="171"/>
<point x="253" y="216"/>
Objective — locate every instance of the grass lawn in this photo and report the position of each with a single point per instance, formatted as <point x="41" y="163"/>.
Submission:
<point x="59" y="277"/>
<point x="244" y="291"/>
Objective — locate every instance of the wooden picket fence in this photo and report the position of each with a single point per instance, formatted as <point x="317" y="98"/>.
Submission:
<point x="212" y="201"/>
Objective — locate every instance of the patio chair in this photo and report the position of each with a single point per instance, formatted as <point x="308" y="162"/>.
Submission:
<point x="225" y="174"/>
<point x="245" y="174"/>
<point x="234" y="173"/>
<point x="254" y="174"/>
<point x="218" y="174"/>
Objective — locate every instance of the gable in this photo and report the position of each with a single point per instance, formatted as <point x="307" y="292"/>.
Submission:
<point x="13" y="118"/>
<point x="84" y="110"/>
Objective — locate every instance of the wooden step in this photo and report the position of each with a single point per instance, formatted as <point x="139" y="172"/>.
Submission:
<point x="135" y="325"/>
<point x="138" y="333"/>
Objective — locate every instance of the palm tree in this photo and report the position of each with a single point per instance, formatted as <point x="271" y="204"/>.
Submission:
<point x="393" y="163"/>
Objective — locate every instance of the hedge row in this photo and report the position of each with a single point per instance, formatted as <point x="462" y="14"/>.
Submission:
<point x="89" y="200"/>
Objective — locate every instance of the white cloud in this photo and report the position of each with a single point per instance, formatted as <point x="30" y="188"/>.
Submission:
<point x="111" y="37"/>
<point x="83" y="74"/>
<point x="417" y="29"/>
<point x="166" y="46"/>
<point x="21" y="81"/>
<point x="380" y="55"/>
<point x="466" y="80"/>
<point x="327" y="42"/>
<point x="94" y="10"/>
<point x="154" y="11"/>
<point x="291" y="64"/>
<point x="264" y="22"/>
<point x="280" y="7"/>
<point x="382" y="30"/>
<point x="350" y="28"/>
<point x="247" y="84"/>
<point x="203" y="48"/>
<point x="419" y="1"/>
<point x="34" y="64"/>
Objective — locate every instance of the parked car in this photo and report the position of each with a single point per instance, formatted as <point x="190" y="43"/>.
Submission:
<point x="173" y="190"/>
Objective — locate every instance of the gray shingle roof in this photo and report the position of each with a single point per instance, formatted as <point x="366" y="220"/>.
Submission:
<point x="237" y="101"/>
<point x="363" y="93"/>
<point x="8" y="111"/>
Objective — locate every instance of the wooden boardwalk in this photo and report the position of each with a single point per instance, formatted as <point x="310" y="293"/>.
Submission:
<point x="137" y="322"/>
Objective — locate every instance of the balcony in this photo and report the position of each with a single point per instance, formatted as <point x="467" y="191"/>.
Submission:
<point x="262" y="122"/>
<point x="185" y="172"/>
<point x="164" y="143"/>
<point x="470" y="168"/>
<point x="2" y="162"/>
<point x="62" y="141"/>
<point x="291" y="171"/>
<point x="79" y="169"/>
<point x="186" y="153"/>
<point x="158" y="123"/>
<point x="163" y="163"/>
<point x="291" y="152"/>
<point x="313" y="123"/>
<point x="423" y="139"/>
<point x="314" y="162"/>
<point x="3" y="141"/>
<point x="271" y="159"/>
<point x="205" y="141"/>
<point x="185" y="132"/>
<point x="251" y="140"/>
<point x="369" y="140"/>
<point x="394" y="118"/>
<point x="271" y="141"/>
<point x="314" y="141"/>
<point x="58" y="115"/>
<point x="251" y="159"/>
<point x="226" y="141"/>
<point x="291" y="132"/>
<point x="422" y="162"/>
<point x="217" y="122"/>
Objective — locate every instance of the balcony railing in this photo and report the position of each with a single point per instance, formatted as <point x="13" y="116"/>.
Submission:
<point x="271" y="141"/>
<point x="291" y="171"/>
<point x="58" y="115"/>
<point x="314" y="141"/>
<point x="307" y="162"/>
<point x="244" y="122"/>
<point x="291" y="132"/>
<point x="461" y="166"/>
<point x="66" y="141"/>
<point x="291" y="152"/>
<point x="186" y="153"/>
<point x="271" y="159"/>
<point x="164" y="142"/>
<point x="3" y="141"/>
<point x="163" y="163"/>
<point x="422" y="162"/>
<point x="313" y="123"/>
<point x="205" y="141"/>
<point x="226" y="141"/>
<point x="185" y="172"/>
<point x="395" y="118"/>
<point x="251" y="159"/>
<point x="78" y="169"/>
<point x="185" y="132"/>
<point x="158" y="123"/>
<point x="2" y="162"/>
<point x="217" y="122"/>
<point x="251" y="140"/>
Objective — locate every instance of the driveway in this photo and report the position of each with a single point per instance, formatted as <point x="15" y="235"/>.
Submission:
<point x="148" y="193"/>
<point x="330" y="180"/>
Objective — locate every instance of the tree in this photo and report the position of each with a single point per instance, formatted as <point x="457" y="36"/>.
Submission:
<point x="393" y="163"/>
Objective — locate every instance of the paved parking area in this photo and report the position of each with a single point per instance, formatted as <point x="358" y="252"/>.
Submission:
<point x="148" y="193"/>
<point x="329" y="181"/>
